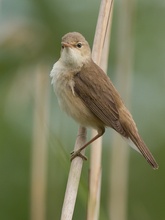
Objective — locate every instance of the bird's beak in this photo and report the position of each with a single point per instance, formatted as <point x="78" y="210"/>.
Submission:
<point x="66" y="44"/>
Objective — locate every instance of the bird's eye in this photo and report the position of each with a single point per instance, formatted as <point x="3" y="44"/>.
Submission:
<point x="62" y="47"/>
<point x="79" y="45"/>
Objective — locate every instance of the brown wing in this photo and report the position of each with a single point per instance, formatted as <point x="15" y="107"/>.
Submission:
<point x="98" y="93"/>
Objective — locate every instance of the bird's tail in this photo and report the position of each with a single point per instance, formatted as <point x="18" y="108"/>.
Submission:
<point x="138" y="144"/>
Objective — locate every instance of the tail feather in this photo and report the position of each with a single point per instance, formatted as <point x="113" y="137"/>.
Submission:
<point x="138" y="144"/>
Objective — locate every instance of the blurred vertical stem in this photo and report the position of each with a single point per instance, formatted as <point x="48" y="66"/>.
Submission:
<point x="100" y="56"/>
<point x="120" y="154"/>
<point x="39" y="148"/>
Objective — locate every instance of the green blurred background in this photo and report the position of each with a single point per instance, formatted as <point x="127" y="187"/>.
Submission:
<point x="30" y="36"/>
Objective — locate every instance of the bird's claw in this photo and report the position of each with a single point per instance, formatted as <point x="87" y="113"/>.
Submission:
<point x="77" y="154"/>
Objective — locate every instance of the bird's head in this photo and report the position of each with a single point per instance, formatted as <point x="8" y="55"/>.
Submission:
<point x="75" y="50"/>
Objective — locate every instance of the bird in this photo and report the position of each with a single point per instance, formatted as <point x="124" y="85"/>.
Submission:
<point x="88" y="95"/>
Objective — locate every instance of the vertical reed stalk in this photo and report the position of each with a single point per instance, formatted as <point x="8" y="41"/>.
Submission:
<point x="120" y="151"/>
<point x="39" y="148"/>
<point x="76" y="164"/>
<point x="100" y="56"/>
<point x="73" y="178"/>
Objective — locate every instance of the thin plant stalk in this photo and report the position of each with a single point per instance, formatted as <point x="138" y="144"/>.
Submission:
<point x="120" y="151"/>
<point x="102" y="35"/>
<point x="73" y="178"/>
<point x="76" y="164"/>
<point x="39" y="148"/>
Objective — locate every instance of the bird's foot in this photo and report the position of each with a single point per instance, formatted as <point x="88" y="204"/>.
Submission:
<point x="77" y="154"/>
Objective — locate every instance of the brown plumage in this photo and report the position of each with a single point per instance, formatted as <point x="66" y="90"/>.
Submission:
<point x="86" y="93"/>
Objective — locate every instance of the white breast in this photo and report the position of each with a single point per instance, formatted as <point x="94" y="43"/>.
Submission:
<point x="61" y="81"/>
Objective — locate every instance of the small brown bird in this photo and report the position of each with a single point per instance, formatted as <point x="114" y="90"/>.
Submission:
<point x="86" y="93"/>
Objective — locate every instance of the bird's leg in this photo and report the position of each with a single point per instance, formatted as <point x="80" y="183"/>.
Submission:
<point x="78" y="152"/>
